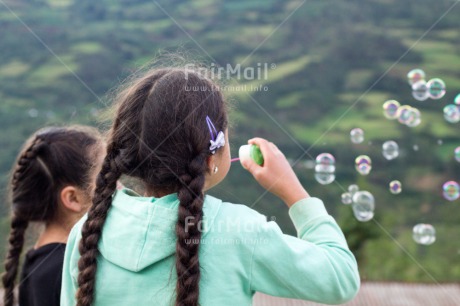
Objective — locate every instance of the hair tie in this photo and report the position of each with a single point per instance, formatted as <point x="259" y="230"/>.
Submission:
<point x="217" y="138"/>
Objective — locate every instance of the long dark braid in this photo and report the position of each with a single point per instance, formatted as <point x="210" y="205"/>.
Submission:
<point x="16" y="243"/>
<point x="184" y="166"/>
<point x="122" y="143"/>
<point x="159" y="136"/>
<point x="188" y="235"/>
<point x="91" y="231"/>
<point x="18" y="224"/>
<point x="25" y="159"/>
<point x="50" y="159"/>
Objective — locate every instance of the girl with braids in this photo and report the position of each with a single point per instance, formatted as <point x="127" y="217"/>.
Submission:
<point x="176" y="244"/>
<point x="51" y="184"/>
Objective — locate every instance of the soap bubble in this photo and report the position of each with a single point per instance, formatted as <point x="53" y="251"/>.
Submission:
<point x="363" y="164"/>
<point x="420" y="91"/>
<point x="390" y="150"/>
<point x="347" y="198"/>
<point x="353" y="189"/>
<point x="390" y="109"/>
<point x="414" y="118"/>
<point x="325" y="161"/>
<point x="363" y="206"/>
<point x="457" y="154"/>
<point x="451" y="190"/>
<point x="357" y="135"/>
<point x="457" y="99"/>
<point x="452" y="113"/>
<point x="436" y="88"/>
<point x="404" y="114"/>
<point x="325" y="168"/>
<point x="424" y="234"/>
<point x="415" y="75"/>
<point x="395" y="187"/>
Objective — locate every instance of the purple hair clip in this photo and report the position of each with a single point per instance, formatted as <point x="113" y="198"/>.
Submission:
<point x="217" y="138"/>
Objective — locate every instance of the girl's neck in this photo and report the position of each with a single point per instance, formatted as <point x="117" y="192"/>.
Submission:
<point x="53" y="233"/>
<point x="156" y="193"/>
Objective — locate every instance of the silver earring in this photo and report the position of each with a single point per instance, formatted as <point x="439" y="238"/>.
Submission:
<point x="216" y="169"/>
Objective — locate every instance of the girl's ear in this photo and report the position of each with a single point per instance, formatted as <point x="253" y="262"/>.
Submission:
<point x="72" y="199"/>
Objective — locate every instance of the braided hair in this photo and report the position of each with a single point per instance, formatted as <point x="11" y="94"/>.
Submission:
<point x="159" y="136"/>
<point x="51" y="159"/>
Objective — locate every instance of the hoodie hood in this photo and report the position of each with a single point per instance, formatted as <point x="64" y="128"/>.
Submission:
<point x="140" y="231"/>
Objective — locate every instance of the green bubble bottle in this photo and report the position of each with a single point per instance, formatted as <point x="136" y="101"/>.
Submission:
<point x="251" y="151"/>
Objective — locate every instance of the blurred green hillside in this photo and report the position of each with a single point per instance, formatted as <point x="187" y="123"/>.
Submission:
<point x="332" y="65"/>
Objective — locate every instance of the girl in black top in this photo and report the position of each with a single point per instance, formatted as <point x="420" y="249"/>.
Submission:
<point x="51" y="183"/>
<point x="41" y="275"/>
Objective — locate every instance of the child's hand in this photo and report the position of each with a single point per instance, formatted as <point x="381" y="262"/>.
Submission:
<point x="276" y="175"/>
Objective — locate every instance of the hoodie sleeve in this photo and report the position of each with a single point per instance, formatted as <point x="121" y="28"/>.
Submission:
<point x="70" y="268"/>
<point x="316" y="266"/>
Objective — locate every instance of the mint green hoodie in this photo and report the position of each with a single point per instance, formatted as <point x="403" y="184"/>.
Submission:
<point x="240" y="253"/>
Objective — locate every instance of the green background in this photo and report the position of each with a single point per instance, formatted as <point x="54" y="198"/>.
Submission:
<point x="334" y="64"/>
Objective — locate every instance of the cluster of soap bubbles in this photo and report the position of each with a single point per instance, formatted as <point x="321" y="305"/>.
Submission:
<point x="325" y="168"/>
<point x="405" y="114"/>
<point x="362" y="203"/>
<point x="451" y="190"/>
<point x="357" y="135"/>
<point x="422" y="90"/>
<point x="452" y="111"/>
<point x="363" y="164"/>
<point x="424" y="234"/>
<point x="434" y="89"/>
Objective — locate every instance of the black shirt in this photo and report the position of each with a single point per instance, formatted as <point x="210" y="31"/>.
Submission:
<point x="41" y="276"/>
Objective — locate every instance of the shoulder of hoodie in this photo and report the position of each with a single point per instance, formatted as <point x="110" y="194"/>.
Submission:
<point x="72" y="253"/>
<point x="238" y="217"/>
<point x="75" y="232"/>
